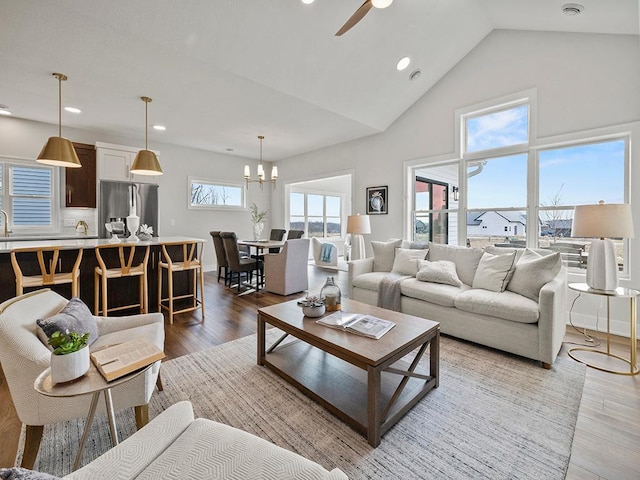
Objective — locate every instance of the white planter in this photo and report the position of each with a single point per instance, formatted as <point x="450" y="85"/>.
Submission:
<point x="65" y="368"/>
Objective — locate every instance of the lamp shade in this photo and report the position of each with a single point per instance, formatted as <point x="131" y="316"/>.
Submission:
<point x="146" y="163"/>
<point x="59" y="152"/>
<point x="602" y="220"/>
<point x="358" y="224"/>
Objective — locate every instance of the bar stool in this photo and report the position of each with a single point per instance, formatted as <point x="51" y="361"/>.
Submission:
<point x="48" y="275"/>
<point x="190" y="261"/>
<point x="102" y="274"/>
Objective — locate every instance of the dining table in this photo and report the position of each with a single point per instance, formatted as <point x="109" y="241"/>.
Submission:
<point x="259" y="247"/>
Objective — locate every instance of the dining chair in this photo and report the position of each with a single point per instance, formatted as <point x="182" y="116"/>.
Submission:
<point x="221" y="257"/>
<point x="48" y="259"/>
<point x="295" y="234"/>
<point x="287" y="272"/>
<point x="236" y="264"/>
<point x="277" y="234"/>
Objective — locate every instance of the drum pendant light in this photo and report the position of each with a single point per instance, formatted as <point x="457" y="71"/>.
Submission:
<point x="59" y="151"/>
<point x="146" y="162"/>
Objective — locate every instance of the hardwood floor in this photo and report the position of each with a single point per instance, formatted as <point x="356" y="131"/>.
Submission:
<point x="606" y="444"/>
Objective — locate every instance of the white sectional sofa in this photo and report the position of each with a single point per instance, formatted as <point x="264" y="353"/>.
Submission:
<point x="510" y="299"/>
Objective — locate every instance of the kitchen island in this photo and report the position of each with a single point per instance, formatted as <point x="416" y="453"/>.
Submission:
<point x="120" y="295"/>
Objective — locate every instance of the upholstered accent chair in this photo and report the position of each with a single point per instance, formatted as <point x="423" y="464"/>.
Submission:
<point x="24" y="356"/>
<point x="287" y="272"/>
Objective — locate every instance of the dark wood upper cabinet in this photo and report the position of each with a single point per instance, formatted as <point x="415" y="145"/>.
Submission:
<point x="80" y="183"/>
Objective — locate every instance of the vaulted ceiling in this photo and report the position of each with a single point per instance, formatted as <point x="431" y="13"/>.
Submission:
<point x="222" y="72"/>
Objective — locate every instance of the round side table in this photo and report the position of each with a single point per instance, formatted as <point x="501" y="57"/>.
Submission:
<point x="620" y="292"/>
<point x="91" y="383"/>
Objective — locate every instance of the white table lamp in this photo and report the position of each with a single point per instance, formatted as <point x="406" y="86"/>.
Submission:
<point x="357" y="225"/>
<point x="604" y="221"/>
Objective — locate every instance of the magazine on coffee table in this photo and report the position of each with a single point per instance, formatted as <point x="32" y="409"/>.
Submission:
<point x="360" y="324"/>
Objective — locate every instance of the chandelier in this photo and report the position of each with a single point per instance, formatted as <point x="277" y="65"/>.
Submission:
<point x="261" y="177"/>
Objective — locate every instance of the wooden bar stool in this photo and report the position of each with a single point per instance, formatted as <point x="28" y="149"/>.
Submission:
<point x="124" y="268"/>
<point x="190" y="261"/>
<point x="48" y="261"/>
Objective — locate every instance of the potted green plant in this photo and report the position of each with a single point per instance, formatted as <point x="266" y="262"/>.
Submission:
<point x="257" y="218"/>
<point x="70" y="356"/>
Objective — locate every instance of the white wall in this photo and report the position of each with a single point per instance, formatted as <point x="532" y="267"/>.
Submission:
<point x="24" y="139"/>
<point x="583" y="82"/>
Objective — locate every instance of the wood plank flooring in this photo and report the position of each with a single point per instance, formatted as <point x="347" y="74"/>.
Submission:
<point x="606" y="444"/>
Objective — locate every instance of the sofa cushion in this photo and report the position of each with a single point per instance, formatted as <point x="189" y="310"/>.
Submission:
<point x="532" y="272"/>
<point x="440" y="271"/>
<point x="75" y="317"/>
<point x="384" y="254"/>
<point x="369" y="281"/>
<point x="494" y="271"/>
<point x="506" y="305"/>
<point x="438" y="293"/>
<point x="465" y="258"/>
<point x="406" y="260"/>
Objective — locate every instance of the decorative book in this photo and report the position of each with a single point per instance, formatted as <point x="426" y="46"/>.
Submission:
<point x="360" y="324"/>
<point x="118" y="360"/>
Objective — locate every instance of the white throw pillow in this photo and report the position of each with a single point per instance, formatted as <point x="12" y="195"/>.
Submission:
<point x="494" y="271"/>
<point x="384" y="254"/>
<point x="440" y="271"/>
<point x="465" y="258"/>
<point x="532" y="272"/>
<point x="406" y="260"/>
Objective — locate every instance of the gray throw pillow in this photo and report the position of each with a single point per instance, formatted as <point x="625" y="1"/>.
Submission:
<point x="533" y="271"/>
<point x="440" y="271"/>
<point x="75" y="317"/>
<point x="18" y="473"/>
<point x="494" y="271"/>
<point x="384" y="254"/>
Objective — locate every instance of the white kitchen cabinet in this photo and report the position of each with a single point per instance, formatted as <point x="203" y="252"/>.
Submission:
<point x="114" y="163"/>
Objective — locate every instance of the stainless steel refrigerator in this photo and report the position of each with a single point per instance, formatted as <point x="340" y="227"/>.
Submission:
<point x="116" y="200"/>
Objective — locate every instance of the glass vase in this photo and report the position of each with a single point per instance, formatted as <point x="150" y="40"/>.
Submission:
<point x="257" y="231"/>
<point x="331" y="294"/>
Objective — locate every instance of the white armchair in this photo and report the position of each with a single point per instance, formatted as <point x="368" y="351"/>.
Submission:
<point x="23" y="357"/>
<point x="287" y="272"/>
<point x="325" y="252"/>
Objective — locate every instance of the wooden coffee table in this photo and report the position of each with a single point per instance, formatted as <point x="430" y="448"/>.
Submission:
<point x="367" y="383"/>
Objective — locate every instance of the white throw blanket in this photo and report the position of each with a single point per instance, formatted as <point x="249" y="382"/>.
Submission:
<point x="389" y="291"/>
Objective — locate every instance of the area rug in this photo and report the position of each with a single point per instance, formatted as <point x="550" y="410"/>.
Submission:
<point x="494" y="416"/>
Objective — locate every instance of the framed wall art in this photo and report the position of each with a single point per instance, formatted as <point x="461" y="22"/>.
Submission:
<point x="377" y="200"/>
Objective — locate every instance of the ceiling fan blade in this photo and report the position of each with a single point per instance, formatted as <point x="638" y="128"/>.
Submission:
<point x="355" y="18"/>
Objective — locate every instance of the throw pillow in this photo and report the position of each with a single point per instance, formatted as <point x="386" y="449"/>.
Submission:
<point x="494" y="271"/>
<point x="18" y="473"/>
<point x="466" y="259"/>
<point x="75" y="317"/>
<point x="416" y="245"/>
<point x="440" y="271"/>
<point x="532" y="272"/>
<point x="406" y="261"/>
<point x="384" y="254"/>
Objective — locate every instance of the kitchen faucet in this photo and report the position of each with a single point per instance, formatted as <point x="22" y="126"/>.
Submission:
<point x="5" y="217"/>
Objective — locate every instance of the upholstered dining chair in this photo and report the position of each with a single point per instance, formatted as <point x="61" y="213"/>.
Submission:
<point x="277" y="234"/>
<point x="237" y="265"/>
<point x="24" y="356"/>
<point x="295" y="234"/>
<point x="221" y="257"/>
<point x="287" y="272"/>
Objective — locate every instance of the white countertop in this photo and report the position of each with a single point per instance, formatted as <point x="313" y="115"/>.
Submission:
<point x="85" y="243"/>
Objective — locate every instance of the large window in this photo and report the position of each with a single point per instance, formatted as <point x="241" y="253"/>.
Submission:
<point x="513" y="190"/>
<point x="317" y="214"/>
<point x="27" y="196"/>
<point x="216" y="195"/>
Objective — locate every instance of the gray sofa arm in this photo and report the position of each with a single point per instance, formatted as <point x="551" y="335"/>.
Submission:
<point x="552" y="324"/>
<point x="358" y="267"/>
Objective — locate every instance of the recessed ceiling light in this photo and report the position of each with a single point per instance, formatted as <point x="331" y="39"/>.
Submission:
<point x="4" y="110"/>
<point x="415" y="75"/>
<point x="231" y="149"/>
<point x="403" y="63"/>
<point x="572" y="9"/>
<point x="73" y="109"/>
<point x="162" y="128"/>
<point x="381" y="3"/>
<point x="307" y="2"/>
